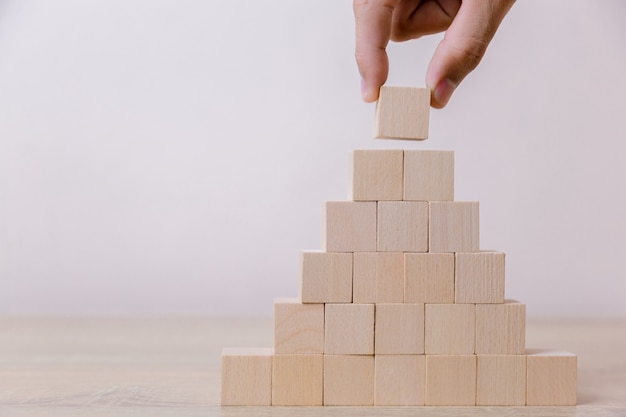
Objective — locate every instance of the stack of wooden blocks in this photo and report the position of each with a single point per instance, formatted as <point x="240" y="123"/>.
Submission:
<point x="402" y="307"/>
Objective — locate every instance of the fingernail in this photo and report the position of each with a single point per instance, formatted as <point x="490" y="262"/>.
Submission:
<point x="443" y="92"/>
<point x="363" y="89"/>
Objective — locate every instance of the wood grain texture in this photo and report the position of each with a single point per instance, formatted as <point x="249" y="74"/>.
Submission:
<point x="450" y="380"/>
<point x="349" y="329"/>
<point x="297" y="379"/>
<point x="428" y="175"/>
<point x="449" y="329"/>
<point x="326" y="277"/>
<point x="377" y="175"/>
<point x="429" y="278"/>
<point x="453" y="226"/>
<point x="350" y="226"/>
<point x="399" y="329"/>
<point x="501" y="328"/>
<point x="298" y="328"/>
<point x="247" y="376"/>
<point x="501" y="380"/>
<point x="402" y="226"/>
<point x="348" y="380"/>
<point x="402" y="113"/>
<point x="551" y="377"/>
<point x="400" y="379"/>
<point x="378" y="277"/>
<point x="479" y="277"/>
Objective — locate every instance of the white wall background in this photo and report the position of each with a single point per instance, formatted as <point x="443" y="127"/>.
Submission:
<point x="174" y="156"/>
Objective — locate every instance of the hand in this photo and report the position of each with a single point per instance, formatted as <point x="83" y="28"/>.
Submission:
<point x="469" y="25"/>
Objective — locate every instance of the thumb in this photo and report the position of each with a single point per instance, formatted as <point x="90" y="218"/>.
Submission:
<point x="463" y="46"/>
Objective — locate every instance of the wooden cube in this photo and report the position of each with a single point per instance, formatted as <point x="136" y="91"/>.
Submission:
<point x="349" y="329"/>
<point x="479" y="277"/>
<point x="298" y="328"/>
<point x="429" y="175"/>
<point x="449" y="329"/>
<point x="378" y="277"/>
<point x="450" y="380"/>
<point x="399" y="329"/>
<point x="377" y="175"/>
<point x="400" y="379"/>
<point x="246" y="376"/>
<point x="350" y="226"/>
<point x="402" y="113"/>
<point x="297" y="379"/>
<point x="453" y="226"/>
<point x="348" y="380"/>
<point x="429" y="278"/>
<point x="402" y="226"/>
<point x="501" y="328"/>
<point x="551" y="377"/>
<point x="501" y="380"/>
<point x="326" y="277"/>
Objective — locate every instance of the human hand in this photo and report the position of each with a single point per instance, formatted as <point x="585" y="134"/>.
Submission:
<point x="469" y="25"/>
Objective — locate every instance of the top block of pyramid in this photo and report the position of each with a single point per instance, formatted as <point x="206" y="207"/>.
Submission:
<point x="402" y="113"/>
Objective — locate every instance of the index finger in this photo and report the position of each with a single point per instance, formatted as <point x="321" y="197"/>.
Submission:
<point x="373" y="29"/>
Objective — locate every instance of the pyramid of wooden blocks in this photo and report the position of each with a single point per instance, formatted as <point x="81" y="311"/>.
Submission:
<point x="401" y="307"/>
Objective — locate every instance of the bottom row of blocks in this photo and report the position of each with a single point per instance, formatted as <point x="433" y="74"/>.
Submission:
<point x="259" y="377"/>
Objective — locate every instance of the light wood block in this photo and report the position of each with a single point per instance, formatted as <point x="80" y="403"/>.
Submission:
<point x="349" y="329"/>
<point x="378" y="277"/>
<point x="402" y="226"/>
<point x="551" y="377"/>
<point x="450" y="380"/>
<point x="297" y="379"/>
<point x="479" y="277"/>
<point x="377" y="175"/>
<point x="449" y="329"/>
<point x="453" y="226"/>
<point x="402" y="113"/>
<point x="348" y="380"/>
<point x="298" y="328"/>
<point x="326" y="277"/>
<point x="247" y="376"/>
<point x="429" y="278"/>
<point x="400" y="379"/>
<point x="501" y="380"/>
<point x="350" y="226"/>
<point x="501" y="328"/>
<point x="399" y="329"/>
<point x="429" y="175"/>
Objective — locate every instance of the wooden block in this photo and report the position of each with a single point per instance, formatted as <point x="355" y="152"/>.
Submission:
<point x="399" y="329"/>
<point x="348" y="380"/>
<point x="450" y="380"/>
<point x="298" y="328"/>
<point x="349" y="329"/>
<point x="402" y="113"/>
<point x="449" y="329"/>
<point x="501" y="380"/>
<point x="378" y="277"/>
<point x="350" y="226"/>
<point x="297" y="379"/>
<point x="479" y="277"/>
<point x="402" y="226"/>
<point x="400" y="379"/>
<point x="551" y="377"/>
<point x="377" y="175"/>
<point x="501" y="328"/>
<point x="429" y="175"/>
<point x="429" y="278"/>
<point x="326" y="277"/>
<point x="247" y="376"/>
<point x="453" y="226"/>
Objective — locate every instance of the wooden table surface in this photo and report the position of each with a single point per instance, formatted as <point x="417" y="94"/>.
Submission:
<point x="169" y="366"/>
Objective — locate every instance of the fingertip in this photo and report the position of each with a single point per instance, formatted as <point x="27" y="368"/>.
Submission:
<point x="369" y="93"/>
<point x="441" y="93"/>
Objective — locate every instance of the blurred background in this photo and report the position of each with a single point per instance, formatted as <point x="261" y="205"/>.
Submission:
<point x="162" y="157"/>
